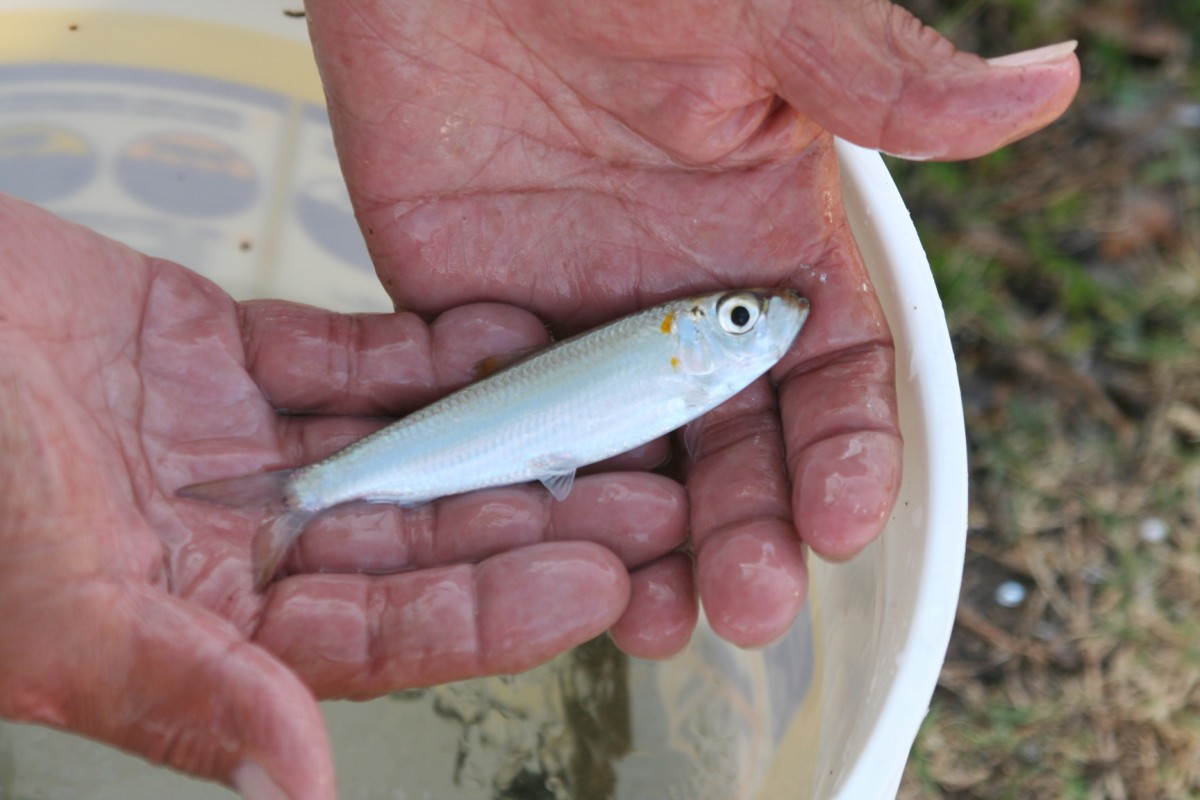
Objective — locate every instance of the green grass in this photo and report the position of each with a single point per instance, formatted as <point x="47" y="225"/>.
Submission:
<point x="1069" y="265"/>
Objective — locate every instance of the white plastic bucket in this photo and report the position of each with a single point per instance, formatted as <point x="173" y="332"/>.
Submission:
<point x="95" y="97"/>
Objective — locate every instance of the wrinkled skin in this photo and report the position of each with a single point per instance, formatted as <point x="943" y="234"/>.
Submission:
<point x="132" y="615"/>
<point x="582" y="159"/>
<point x="575" y="160"/>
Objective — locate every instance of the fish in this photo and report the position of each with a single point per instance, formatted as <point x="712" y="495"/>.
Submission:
<point x="578" y="401"/>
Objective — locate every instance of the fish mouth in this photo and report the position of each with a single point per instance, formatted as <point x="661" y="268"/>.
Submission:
<point x="791" y="300"/>
<point x="783" y="294"/>
<point x="786" y="312"/>
<point x="794" y="299"/>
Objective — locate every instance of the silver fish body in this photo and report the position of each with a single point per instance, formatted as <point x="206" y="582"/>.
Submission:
<point x="577" y="402"/>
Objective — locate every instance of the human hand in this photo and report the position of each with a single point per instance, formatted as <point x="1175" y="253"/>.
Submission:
<point x="128" y="614"/>
<point x="581" y="159"/>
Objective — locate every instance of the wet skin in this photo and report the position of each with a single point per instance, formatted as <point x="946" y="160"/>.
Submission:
<point x="569" y="162"/>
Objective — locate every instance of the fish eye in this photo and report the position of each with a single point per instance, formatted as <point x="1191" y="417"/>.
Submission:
<point x="738" y="312"/>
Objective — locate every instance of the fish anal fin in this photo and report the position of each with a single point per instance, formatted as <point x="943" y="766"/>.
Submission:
<point x="559" y="483"/>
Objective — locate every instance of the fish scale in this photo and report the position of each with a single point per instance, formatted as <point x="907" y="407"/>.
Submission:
<point x="577" y="402"/>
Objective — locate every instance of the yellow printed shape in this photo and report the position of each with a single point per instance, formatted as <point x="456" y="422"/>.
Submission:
<point x="162" y="42"/>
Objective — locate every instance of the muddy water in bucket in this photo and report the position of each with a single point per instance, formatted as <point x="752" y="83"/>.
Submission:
<point x="596" y="724"/>
<point x="715" y="722"/>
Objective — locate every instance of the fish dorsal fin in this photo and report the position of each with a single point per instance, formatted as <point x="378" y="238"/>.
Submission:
<point x="559" y="483"/>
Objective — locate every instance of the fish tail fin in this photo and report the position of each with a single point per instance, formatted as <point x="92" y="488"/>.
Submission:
<point x="273" y="539"/>
<point x="277" y="533"/>
<point x="247" y="491"/>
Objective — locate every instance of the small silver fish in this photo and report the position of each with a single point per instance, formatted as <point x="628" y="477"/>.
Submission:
<point x="579" y="401"/>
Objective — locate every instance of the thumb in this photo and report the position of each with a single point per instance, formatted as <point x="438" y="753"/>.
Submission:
<point x="870" y="72"/>
<point x="181" y="687"/>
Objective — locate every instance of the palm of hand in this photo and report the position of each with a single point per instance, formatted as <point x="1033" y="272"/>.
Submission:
<point x="583" y="167"/>
<point x="123" y="378"/>
<point x="105" y="366"/>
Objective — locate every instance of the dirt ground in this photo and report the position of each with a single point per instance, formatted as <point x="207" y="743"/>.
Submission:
<point x="1069" y="265"/>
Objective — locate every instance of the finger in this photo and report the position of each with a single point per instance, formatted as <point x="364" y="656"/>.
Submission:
<point x="844" y="450"/>
<point x="749" y="567"/>
<point x="358" y="636"/>
<point x="662" y="610"/>
<point x="637" y="516"/>
<point x="140" y="670"/>
<point x="652" y="455"/>
<point x="310" y="360"/>
<point x="870" y="72"/>
<point x="305" y="440"/>
<point x="837" y="395"/>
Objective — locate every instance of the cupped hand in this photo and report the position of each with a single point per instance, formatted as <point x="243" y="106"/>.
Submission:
<point x="128" y="614"/>
<point x="586" y="157"/>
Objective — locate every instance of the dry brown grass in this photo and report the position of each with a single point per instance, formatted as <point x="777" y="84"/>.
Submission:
<point x="1070" y="267"/>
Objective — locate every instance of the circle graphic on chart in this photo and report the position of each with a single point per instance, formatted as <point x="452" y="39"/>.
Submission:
<point x="187" y="173"/>
<point x="41" y="162"/>
<point x="324" y="210"/>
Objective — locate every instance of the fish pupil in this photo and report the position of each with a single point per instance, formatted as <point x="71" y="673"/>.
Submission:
<point x="739" y="316"/>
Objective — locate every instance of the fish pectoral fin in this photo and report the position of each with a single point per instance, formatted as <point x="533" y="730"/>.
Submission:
<point x="559" y="483"/>
<point x="693" y="439"/>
